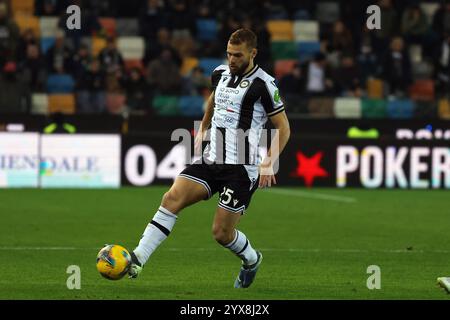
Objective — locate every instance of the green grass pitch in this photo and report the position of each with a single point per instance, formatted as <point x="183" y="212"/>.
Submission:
<point x="317" y="244"/>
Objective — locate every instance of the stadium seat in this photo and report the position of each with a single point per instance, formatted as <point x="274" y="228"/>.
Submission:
<point x="115" y="102"/>
<point x="444" y="109"/>
<point x="306" y="31"/>
<point x="209" y="64"/>
<point x="400" y="109"/>
<point x="284" y="50"/>
<point x="422" y="70"/>
<point x="425" y="109"/>
<point x="64" y="103"/>
<point x="39" y="103"/>
<point x="327" y="12"/>
<point x="307" y="50"/>
<point x="24" y="7"/>
<point x="166" y="105"/>
<point x="188" y="64"/>
<point x="373" y="108"/>
<point x="283" y="67"/>
<point x="422" y="90"/>
<point x="429" y="8"/>
<point x="131" y="47"/>
<point x="109" y="25"/>
<point x="375" y="88"/>
<point x="134" y="63"/>
<point x="206" y="29"/>
<point x="87" y="41"/>
<point x="48" y="26"/>
<point x="321" y="107"/>
<point x="191" y="105"/>
<point x="295" y="104"/>
<point x="60" y="83"/>
<point x="281" y="30"/>
<point x="301" y="15"/>
<point x="98" y="44"/>
<point x="415" y="53"/>
<point x="46" y="43"/>
<point x="25" y="22"/>
<point x="127" y="27"/>
<point x="347" y="108"/>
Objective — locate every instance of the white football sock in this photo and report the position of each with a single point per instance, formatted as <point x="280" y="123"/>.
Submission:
<point x="155" y="233"/>
<point x="242" y="248"/>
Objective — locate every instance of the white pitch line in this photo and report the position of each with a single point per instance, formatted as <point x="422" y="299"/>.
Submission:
<point x="41" y="248"/>
<point x="313" y="195"/>
<point x="301" y="250"/>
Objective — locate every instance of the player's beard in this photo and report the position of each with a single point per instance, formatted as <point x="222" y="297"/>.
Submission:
<point x="241" y="70"/>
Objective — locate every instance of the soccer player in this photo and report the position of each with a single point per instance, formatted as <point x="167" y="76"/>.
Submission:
<point x="244" y="98"/>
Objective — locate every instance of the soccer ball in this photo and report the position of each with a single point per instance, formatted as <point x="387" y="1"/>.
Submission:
<point x="113" y="262"/>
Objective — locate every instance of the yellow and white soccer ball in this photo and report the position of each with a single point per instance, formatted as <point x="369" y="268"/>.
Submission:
<point x="113" y="261"/>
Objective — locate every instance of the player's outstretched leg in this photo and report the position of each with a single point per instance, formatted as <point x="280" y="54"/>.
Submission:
<point x="183" y="193"/>
<point x="236" y="241"/>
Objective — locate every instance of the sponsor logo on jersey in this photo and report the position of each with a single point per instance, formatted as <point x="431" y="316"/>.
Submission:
<point x="244" y="83"/>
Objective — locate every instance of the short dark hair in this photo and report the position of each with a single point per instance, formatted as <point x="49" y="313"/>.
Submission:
<point x="243" y="35"/>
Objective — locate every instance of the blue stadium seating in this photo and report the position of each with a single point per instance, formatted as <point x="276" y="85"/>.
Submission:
<point x="302" y="15"/>
<point x="206" y="29"/>
<point x="46" y="43"/>
<point x="60" y="83"/>
<point x="209" y="64"/>
<point x="307" y="50"/>
<point x="191" y="105"/>
<point x="400" y="109"/>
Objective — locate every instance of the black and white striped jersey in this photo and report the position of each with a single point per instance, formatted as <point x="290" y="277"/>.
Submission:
<point x="242" y="105"/>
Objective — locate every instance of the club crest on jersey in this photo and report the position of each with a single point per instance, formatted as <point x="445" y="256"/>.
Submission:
<point x="244" y="83"/>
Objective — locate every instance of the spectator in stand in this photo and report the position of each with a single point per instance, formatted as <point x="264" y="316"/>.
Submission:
<point x="396" y="68"/>
<point x="51" y="7"/>
<point x="153" y="50"/>
<point x="32" y="67"/>
<point x="90" y="89"/>
<point x="14" y="93"/>
<point x="181" y="20"/>
<point x="292" y="83"/>
<point x="137" y="91"/>
<point x="81" y="62"/>
<point x="112" y="64"/>
<point x="9" y="36"/>
<point x="208" y="48"/>
<point x="442" y="67"/>
<point x="415" y="26"/>
<point x="27" y="39"/>
<point x="196" y="82"/>
<point x="341" y="40"/>
<point x="366" y="58"/>
<point x="264" y="56"/>
<point x="152" y="18"/>
<point x="347" y="78"/>
<point x="59" y="56"/>
<point x="441" y="20"/>
<point x="389" y="22"/>
<point x="164" y="74"/>
<point x="90" y="25"/>
<point x="318" y="76"/>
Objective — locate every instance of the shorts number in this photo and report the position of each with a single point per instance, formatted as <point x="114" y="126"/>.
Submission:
<point x="227" y="192"/>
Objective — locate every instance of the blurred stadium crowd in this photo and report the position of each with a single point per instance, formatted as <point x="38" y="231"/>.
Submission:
<point x="155" y="56"/>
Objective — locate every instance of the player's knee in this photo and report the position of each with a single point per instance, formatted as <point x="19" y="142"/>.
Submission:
<point x="222" y="235"/>
<point x="171" y="199"/>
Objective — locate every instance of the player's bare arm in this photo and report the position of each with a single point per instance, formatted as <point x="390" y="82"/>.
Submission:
<point x="206" y="122"/>
<point x="279" y="141"/>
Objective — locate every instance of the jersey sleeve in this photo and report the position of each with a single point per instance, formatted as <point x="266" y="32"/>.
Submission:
<point x="270" y="99"/>
<point x="215" y="77"/>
